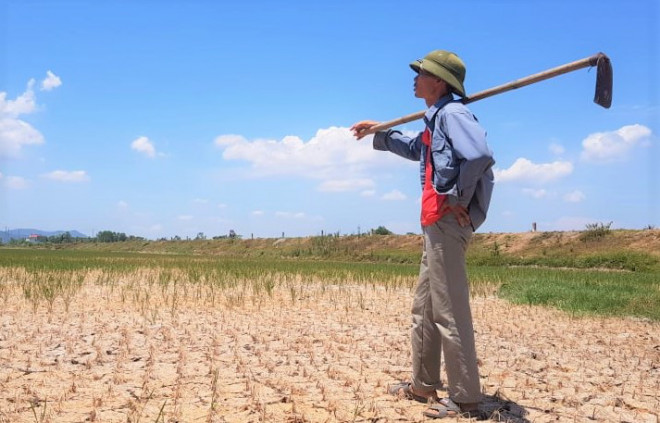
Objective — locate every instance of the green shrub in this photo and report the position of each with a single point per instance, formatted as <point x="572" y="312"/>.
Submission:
<point x="595" y="231"/>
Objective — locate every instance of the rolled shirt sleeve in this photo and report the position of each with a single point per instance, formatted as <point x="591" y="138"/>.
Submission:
<point x="399" y="144"/>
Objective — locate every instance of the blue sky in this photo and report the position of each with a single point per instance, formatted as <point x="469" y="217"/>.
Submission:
<point x="163" y="118"/>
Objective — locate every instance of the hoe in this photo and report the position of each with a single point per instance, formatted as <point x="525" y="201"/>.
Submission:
<point x="602" y="97"/>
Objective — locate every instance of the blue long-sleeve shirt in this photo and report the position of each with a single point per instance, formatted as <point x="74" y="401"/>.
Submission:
<point x="462" y="161"/>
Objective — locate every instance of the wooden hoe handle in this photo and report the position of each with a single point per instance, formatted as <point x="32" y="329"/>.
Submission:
<point x="603" y="95"/>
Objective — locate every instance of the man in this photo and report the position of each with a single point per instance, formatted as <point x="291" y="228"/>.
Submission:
<point x="457" y="182"/>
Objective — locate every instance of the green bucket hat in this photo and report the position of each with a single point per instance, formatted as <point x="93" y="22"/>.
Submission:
<point x="444" y="65"/>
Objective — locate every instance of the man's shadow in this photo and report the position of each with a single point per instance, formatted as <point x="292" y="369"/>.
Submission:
<point x="501" y="409"/>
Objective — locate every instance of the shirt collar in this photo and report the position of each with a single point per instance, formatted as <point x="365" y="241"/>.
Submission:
<point x="431" y="112"/>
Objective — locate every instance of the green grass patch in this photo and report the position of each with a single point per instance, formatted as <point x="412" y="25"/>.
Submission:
<point x="619" y="260"/>
<point x="583" y="291"/>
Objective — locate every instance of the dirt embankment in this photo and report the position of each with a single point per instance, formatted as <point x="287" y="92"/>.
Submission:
<point x="576" y="242"/>
<point x="402" y="248"/>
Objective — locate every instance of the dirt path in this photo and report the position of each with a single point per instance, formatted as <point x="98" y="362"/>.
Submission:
<point x="308" y="353"/>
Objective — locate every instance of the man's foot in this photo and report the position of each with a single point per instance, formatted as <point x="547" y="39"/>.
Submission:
<point x="448" y="408"/>
<point x="405" y="390"/>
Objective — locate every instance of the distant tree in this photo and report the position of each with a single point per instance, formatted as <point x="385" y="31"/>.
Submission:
<point x="176" y="238"/>
<point x="232" y="234"/>
<point x="105" y="236"/>
<point x="63" y="238"/>
<point x="381" y="230"/>
<point x="109" y="236"/>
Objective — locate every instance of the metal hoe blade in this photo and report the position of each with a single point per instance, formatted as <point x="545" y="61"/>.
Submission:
<point x="603" y="95"/>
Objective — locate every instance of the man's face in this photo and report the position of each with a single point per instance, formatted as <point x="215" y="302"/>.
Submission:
<point x="429" y="87"/>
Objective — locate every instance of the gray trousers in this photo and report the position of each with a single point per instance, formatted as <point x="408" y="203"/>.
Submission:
<point x="441" y="316"/>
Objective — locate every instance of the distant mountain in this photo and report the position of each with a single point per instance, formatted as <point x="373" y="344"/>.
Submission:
<point x="23" y="233"/>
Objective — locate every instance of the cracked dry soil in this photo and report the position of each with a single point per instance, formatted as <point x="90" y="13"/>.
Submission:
<point x="306" y="353"/>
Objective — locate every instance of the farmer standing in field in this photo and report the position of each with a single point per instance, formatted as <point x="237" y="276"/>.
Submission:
<point x="457" y="182"/>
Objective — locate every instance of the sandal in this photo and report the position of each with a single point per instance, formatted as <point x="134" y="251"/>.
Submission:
<point x="448" y="408"/>
<point x="405" y="390"/>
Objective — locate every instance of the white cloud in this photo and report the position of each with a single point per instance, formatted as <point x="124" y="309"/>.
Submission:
<point x="258" y="213"/>
<point x="51" y="81"/>
<point x="613" y="146"/>
<point x="144" y="146"/>
<point x="332" y="154"/>
<point x="229" y="139"/>
<point x="15" y="182"/>
<point x="290" y="215"/>
<point x="185" y="217"/>
<point x="535" y="193"/>
<point x="527" y="171"/>
<point x="14" y="132"/>
<point x="222" y="206"/>
<point x="574" y="196"/>
<point x="368" y="193"/>
<point x="200" y="201"/>
<point x="342" y="185"/>
<point x="23" y="104"/>
<point x="123" y="205"/>
<point x="67" y="176"/>
<point x="556" y="149"/>
<point x="394" y="195"/>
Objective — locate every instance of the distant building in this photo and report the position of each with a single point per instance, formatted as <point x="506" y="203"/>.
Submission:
<point x="32" y="238"/>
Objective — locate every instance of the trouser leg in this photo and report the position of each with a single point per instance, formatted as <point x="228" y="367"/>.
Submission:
<point x="425" y="336"/>
<point x="448" y="298"/>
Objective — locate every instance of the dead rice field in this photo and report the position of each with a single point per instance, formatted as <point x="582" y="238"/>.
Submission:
<point x="122" y="347"/>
